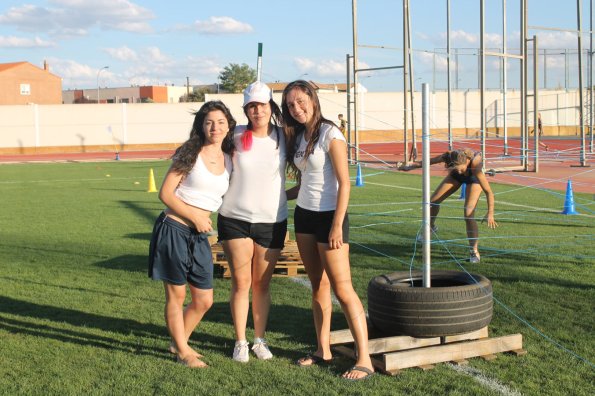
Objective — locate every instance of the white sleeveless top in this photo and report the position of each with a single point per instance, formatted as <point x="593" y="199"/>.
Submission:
<point x="203" y="189"/>
<point x="257" y="188"/>
<point x="318" y="190"/>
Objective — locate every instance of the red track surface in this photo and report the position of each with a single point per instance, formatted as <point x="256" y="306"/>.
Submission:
<point x="556" y="166"/>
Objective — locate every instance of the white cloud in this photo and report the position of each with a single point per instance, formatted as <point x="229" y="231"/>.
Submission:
<point x="124" y="54"/>
<point x="67" y="18"/>
<point x="325" y="68"/>
<point x="23" y="42"/>
<point x="221" y="25"/>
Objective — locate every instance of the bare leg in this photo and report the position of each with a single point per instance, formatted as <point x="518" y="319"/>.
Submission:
<point x="336" y="262"/>
<point x="239" y="253"/>
<point x="263" y="266"/>
<point x="321" y="295"/>
<point x="444" y="190"/>
<point x="174" y="319"/>
<point x="471" y="197"/>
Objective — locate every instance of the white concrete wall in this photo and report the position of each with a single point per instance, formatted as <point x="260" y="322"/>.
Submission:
<point x="156" y="123"/>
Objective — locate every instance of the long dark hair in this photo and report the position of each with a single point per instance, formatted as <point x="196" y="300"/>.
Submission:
<point x="293" y="128"/>
<point x="185" y="155"/>
<point x="276" y="118"/>
<point x="457" y="157"/>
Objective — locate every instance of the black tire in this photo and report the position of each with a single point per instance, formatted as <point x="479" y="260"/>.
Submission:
<point x="456" y="303"/>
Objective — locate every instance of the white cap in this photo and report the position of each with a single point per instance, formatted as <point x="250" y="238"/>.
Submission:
<point x="257" y="92"/>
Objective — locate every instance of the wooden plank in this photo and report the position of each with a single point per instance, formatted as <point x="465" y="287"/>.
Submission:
<point x="451" y="352"/>
<point x="474" y="335"/>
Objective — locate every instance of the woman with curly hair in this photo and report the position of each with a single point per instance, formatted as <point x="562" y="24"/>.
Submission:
<point x="180" y="252"/>
<point x="465" y="167"/>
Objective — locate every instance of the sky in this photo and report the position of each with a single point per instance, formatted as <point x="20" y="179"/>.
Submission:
<point x="156" y="42"/>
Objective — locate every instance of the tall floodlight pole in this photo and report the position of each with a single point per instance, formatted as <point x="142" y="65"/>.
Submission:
<point x="580" y="82"/>
<point x="405" y="80"/>
<point x="448" y="74"/>
<point x="523" y="73"/>
<point x="425" y="131"/>
<point x="100" y="70"/>
<point x="482" y="79"/>
<point x="259" y="63"/>
<point x="504" y="79"/>
<point x="591" y="76"/>
<point x="355" y="69"/>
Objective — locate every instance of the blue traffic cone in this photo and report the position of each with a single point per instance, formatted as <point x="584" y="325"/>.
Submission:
<point x="569" y="201"/>
<point x="359" y="180"/>
<point x="463" y="191"/>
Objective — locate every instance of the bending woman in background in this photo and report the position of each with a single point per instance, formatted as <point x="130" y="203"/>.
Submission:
<point x="465" y="167"/>
<point x="179" y="252"/>
<point x="317" y="154"/>
<point x="252" y="221"/>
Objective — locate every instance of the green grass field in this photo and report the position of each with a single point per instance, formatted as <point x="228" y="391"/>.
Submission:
<point x="78" y="313"/>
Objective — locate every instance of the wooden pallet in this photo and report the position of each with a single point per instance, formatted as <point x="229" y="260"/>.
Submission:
<point x="391" y="354"/>
<point x="289" y="263"/>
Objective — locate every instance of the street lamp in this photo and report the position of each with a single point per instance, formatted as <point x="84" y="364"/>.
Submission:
<point x="104" y="67"/>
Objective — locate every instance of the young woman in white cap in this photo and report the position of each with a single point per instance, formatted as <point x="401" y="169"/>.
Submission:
<point x="317" y="154"/>
<point x="179" y="251"/>
<point x="252" y="221"/>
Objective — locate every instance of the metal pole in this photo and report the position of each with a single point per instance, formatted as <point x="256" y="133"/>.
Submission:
<point x="411" y="86"/>
<point x="591" y="77"/>
<point x="100" y="70"/>
<point x="535" y="103"/>
<point x="355" y="67"/>
<point x="350" y="149"/>
<point x="448" y="73"/>
<point x="405" y="82"/>
<point x="504" y="79"/>
<point x="259" y="63"/>
<point x="425" y="127"/>
<point x="482" y="80"/>
<point x="523" y="73"/>
<point x="580" y="83"/>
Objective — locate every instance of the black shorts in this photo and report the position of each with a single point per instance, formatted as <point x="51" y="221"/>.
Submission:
<point x="267" y="235"/>
<point x="180" y="254"/>
<point x="318" y="223"/>
<point x="464" y="178"/>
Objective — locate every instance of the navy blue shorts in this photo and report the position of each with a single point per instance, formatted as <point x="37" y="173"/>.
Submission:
<point x="179" y="254"/>
<point x="318" y="223"/>
<point x="267" y="235"/>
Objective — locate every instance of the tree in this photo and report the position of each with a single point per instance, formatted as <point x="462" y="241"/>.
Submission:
<point x="195" y="96"/>
<point x="234" y="78"/>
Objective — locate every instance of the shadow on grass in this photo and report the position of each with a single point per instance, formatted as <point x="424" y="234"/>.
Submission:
<point x="126" y="262"/>
<point x="40" y="320"/>
<point x="142" y="210"/>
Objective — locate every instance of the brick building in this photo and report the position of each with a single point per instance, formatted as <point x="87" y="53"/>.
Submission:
<point x="24" y="83"/>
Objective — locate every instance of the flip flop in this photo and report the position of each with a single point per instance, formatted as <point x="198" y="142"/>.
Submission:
<point x="368" y="372"/>
<point x="315" y="360"/>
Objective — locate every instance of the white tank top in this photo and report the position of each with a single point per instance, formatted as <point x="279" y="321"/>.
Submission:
<point x="257" y="188"/>
<point x="203" y="189"/>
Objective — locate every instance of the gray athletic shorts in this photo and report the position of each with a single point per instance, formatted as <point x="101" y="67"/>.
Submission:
<point x="180" y="254"/>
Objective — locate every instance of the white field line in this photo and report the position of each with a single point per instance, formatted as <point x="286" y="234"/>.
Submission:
<point x="477" y="375"/>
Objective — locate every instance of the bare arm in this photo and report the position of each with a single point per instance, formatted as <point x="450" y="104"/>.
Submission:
<point x="338" y="154"/>
<point x="477" y="171"/>
<point x="193" y="215"/>
<point x="418" y="164"/>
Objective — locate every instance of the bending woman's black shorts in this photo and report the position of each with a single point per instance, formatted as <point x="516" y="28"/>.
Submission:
<point x="465" y="178"/>
<point x="267" y="235"/>
<point x="318" y="223"/>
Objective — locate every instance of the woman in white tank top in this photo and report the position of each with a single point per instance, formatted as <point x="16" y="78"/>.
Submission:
<point x="180" y="252"/>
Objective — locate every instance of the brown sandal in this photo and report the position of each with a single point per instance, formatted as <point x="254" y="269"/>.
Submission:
<point x="314" y="359"/>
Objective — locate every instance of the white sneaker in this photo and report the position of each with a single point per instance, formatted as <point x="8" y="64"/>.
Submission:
<point x="240" y="351"/>
<point x="474" y="257"/>
<point x="420" y="236"/>
<point x="261" y="349"/>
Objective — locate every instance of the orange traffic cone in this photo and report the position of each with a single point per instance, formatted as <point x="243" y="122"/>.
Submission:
<point x="152" y="187"/>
